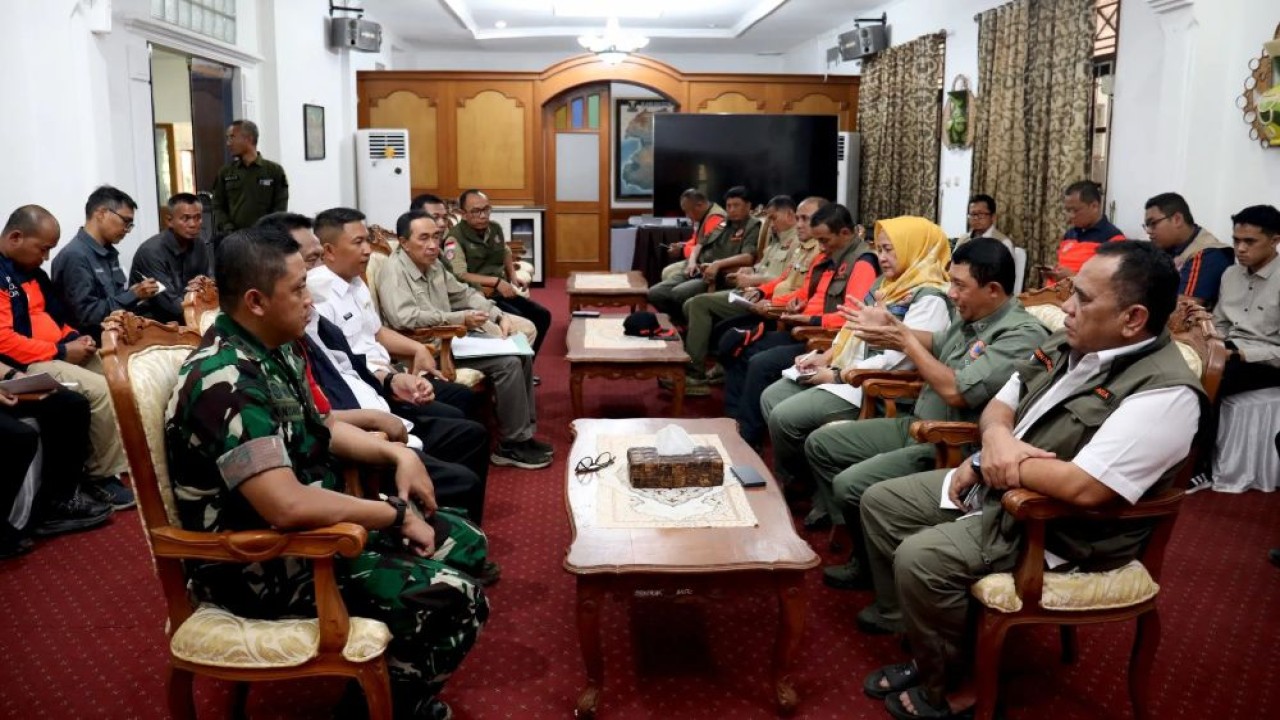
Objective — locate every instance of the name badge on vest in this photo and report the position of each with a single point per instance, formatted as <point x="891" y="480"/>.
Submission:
<point x="1106" y="395"/>
<point x="842" y="272"/>
<point x="977" y="349"/>
<point x="265" y="182"/>
<point x="348" y="316"/>
<point x="1044" y="359"/>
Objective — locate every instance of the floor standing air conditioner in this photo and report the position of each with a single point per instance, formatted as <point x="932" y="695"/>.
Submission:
<point x="383" y="190"/>
<point x="848" y="170"/>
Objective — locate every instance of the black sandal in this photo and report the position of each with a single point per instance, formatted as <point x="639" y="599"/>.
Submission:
<point x="898" y="678"/>
<point x="924" y="710"/>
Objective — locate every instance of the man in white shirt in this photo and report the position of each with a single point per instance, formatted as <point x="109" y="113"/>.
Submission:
<point x="1073" y="424"/>
<point x="982" y="221"/>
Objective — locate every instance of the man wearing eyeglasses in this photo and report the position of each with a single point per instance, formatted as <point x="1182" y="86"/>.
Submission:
<point x="1090" y="229"/>
<point x="478" y="254"/>
<point x="88" y="272"/>
<point x="1199" y="256"/>
<point x="982" y="221"/>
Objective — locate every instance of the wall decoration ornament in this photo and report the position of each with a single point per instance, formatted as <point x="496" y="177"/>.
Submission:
<point x="956" y="114"/>
<point x="1260" y="102"/>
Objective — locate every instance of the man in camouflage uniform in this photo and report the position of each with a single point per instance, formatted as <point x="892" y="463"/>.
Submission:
<point x="256" y="453"/>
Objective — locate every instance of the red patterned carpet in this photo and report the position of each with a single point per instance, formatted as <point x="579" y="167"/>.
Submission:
<point x="82" y="633"/>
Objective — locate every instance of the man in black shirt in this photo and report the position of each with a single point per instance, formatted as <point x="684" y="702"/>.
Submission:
<point x="173" y="258"/>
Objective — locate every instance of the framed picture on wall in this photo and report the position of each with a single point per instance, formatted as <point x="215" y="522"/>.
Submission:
<point x="313" y="131"/>
<point x="633" y="146"/>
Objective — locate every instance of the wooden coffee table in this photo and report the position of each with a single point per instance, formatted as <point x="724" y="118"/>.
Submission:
<point x="670" y="562"/>
<point x="646" y="359"/>
<point x="581" y="294"/>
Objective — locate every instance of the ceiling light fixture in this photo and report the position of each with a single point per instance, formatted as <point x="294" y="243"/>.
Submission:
<point x="613" y="46"/>
<point x="650" y="9"/>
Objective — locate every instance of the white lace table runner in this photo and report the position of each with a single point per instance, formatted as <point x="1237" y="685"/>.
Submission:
<point x="605" y="333"/>
<point x="618" y="505"/>
<point x="601" y="281"/>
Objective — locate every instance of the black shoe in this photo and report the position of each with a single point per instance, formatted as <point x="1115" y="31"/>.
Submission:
<point x="12" y="541"/>
<point x="871" y="622"/>
<point x="489" y="574"/>
<point x="520" y="456"/>
<point x="112" y="492"/>
<point x="848" y="576"/>
<point x="537" y="445"/>
<point x="1274" y="555"/>
<point x="817" y="520"/>
<point x="78" y="512"/>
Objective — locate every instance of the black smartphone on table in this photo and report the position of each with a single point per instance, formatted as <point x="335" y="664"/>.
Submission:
<point x="748" y="476"/>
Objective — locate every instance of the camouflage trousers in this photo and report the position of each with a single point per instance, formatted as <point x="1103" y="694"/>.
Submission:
<point x="433" y="606"/>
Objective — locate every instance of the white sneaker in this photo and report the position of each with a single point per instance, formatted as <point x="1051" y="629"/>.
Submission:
<point x="1200" y="482"/>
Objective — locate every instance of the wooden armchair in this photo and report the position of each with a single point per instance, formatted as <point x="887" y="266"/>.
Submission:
<point x="200" y="303"/>
<point x="1032" y="595"/>
<point x="141" y="359"/>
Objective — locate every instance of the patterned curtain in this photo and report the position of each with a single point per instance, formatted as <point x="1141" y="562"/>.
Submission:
<point x="1031" y="120"/>
<point x="899" y="116"/>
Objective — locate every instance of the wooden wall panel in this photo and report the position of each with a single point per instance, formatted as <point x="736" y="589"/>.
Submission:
<point x="578" y="238"/>
<point x="488" y="128"/>
<point x="491" y="144"/>
<point x="732" y="102"/>
<point x="404" y="109"/>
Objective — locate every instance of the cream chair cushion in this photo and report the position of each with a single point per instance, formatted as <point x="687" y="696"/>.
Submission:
<point x="468" y="376"/>
<point x="213" y="636"/>
<point x="205" y="321"/>
<point x="153" y="373"/>
<point x="1073" y="591"/>
<point x="1052" y="317"/>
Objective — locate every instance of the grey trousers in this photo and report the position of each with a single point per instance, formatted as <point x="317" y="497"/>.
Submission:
<point x="669" y="296"/>
<point x="793" y="411"/>
<point x="923" y="561"/>
<point x="703" y="312"/>
<point x="849" y="457"/>
<point x="512" y="379"/>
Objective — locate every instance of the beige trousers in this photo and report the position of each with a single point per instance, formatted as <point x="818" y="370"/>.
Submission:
<point x="107" y="456"/>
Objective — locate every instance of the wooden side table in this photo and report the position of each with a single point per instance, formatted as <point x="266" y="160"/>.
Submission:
<point x="654" y="359"/>
<point x="584" y="293"/>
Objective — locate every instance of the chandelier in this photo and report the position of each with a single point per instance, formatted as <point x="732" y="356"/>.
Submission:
<point x="613" y="46"/>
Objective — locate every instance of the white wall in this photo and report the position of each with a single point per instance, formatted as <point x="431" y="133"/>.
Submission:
<point x="302" y="69"/>
<point x="1180" y="67"/>
<point x="908" y="20"/>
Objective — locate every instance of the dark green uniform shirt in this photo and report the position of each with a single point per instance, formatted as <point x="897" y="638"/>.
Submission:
<point x="243" y="193"/>
<point x="983" y="354"/>
<point x="239" y="410"/>
<point x="731" y="238"/>
<point x="466" y="252"/>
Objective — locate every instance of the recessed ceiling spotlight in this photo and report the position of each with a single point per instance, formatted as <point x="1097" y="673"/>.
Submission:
<point x="500" y="24"/>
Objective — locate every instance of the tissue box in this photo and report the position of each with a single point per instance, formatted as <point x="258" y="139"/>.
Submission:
<point x="701" y="468"/>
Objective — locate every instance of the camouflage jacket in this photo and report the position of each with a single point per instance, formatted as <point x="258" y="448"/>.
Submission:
<point x="238" y="410"/>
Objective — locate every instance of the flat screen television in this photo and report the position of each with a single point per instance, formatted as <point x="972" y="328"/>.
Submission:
<point x="770" y="154"/>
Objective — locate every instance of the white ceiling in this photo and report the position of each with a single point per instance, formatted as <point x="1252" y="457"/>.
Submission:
<point x="682" y="26"/>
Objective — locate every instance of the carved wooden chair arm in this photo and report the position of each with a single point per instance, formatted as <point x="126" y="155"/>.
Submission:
<point x="248" y="546"/>
<point x="950" y="439"/>
<point x="889" y="392"/>
<point x="444" y="335"/>
<point x="857" y="377"/>
<point x="814" y="338"/>
<point x="1028" y="505"/>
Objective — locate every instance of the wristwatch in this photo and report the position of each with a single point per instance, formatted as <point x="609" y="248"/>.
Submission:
<point x="975" y="462"/>
<point x="401" y="506"/>
<point x="839" y="375"/>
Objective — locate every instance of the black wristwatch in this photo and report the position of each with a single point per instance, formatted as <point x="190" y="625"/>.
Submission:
<point x="839" y="375"/>
<point x="386" y="381"/>
<point x="9" y="375"/>
<point x="975" y="462"/>
<point x="401" y="507"/>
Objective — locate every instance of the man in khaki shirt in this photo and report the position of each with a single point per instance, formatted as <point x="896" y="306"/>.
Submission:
<point x="415" y="290"/>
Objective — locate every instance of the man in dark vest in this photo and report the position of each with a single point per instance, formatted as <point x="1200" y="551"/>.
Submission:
<point x="1072" y="423"/>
